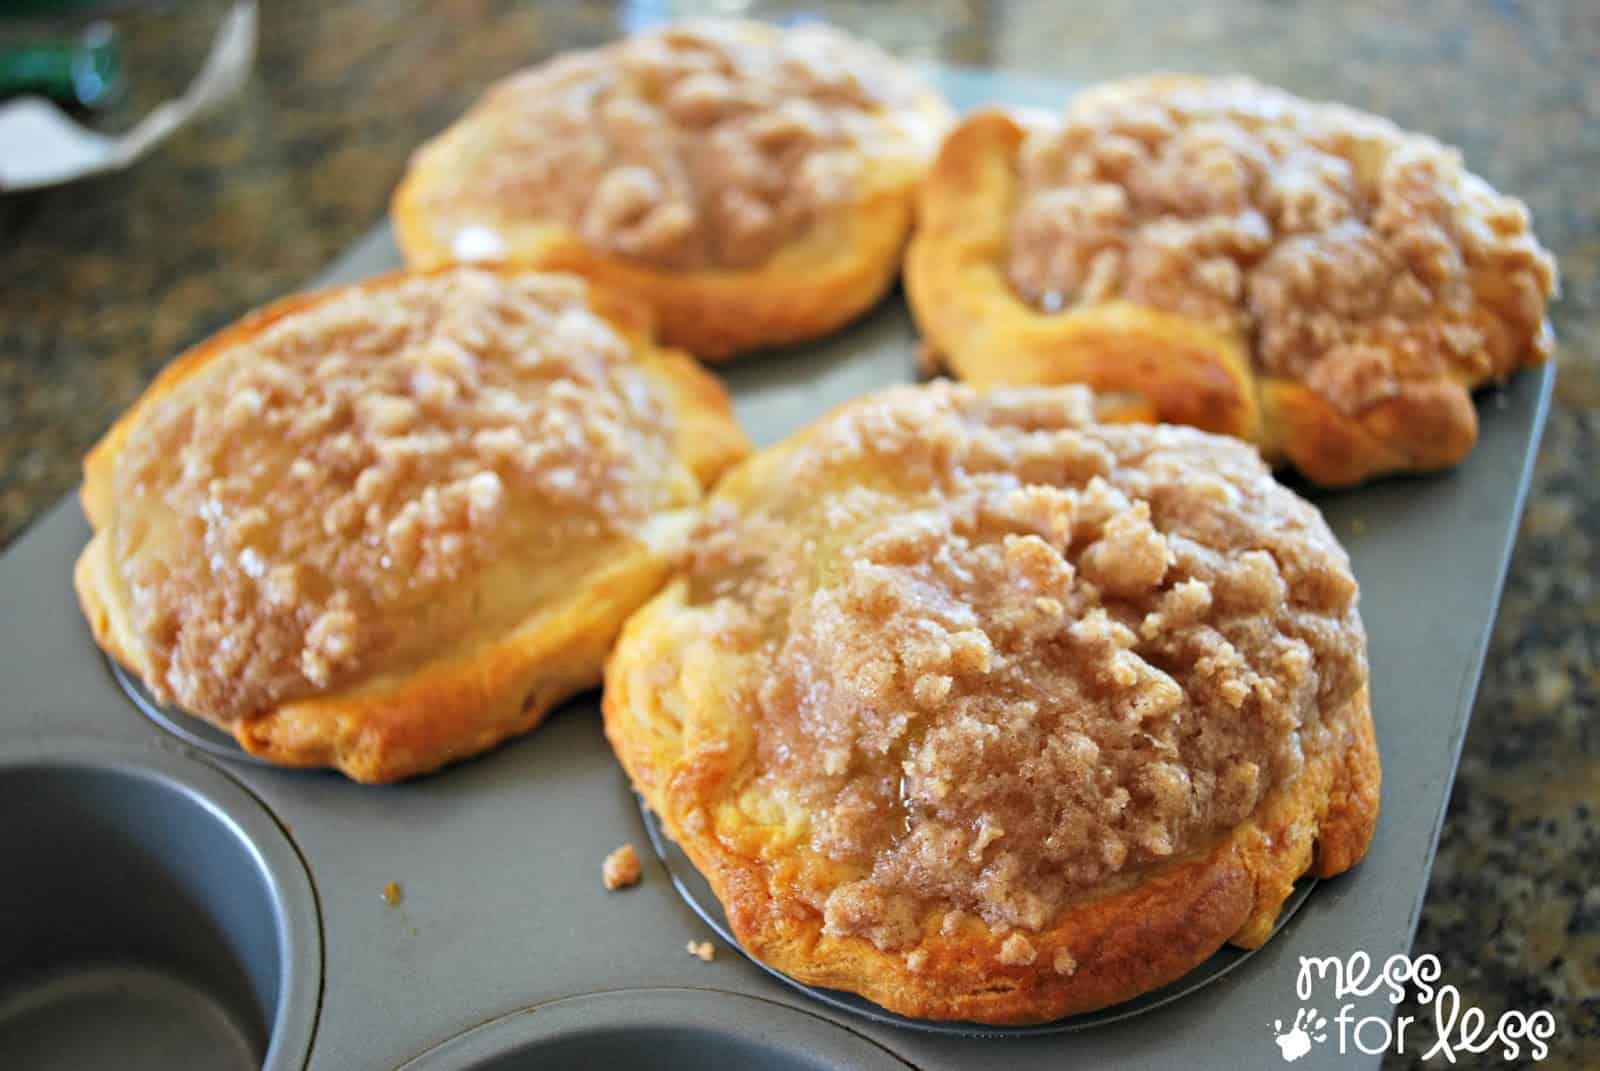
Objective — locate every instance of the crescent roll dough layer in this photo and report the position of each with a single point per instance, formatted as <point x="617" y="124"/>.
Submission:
<point x="1301" y="275"/>
<point x="751" y="184"/>
<point x="387" y="526"/>
<point x="986" y="711"/>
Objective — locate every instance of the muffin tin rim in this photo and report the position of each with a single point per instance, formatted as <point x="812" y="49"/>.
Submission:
<point x="466" y="1050"/>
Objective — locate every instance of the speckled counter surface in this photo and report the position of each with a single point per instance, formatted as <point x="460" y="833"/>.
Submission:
<point x="101" y="283"/>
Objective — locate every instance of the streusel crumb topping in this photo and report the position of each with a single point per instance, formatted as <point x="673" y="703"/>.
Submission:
<point x="708" y="143"/>
<point x="322" y="498"/>
<point x="1008" y="654"/>
<point x="1351" y="254"/>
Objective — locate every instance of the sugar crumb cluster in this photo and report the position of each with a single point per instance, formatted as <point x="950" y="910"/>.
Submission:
<point x="1048" y="653"/>
<point x="704" y="145"/>
<point x="620" y="869"/>
<point x="359" y="461"/>
<point x="1355" y="256"/>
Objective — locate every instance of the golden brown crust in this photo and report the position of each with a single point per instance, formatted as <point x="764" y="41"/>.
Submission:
<point x="695" y="752"/>
<point x="390" y="727"/>
<point x="815" y="282"/>
<point x="1187" y="369"/>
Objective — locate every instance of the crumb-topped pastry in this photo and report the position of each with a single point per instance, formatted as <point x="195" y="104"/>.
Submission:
<point x="1299" y="274"/>
<point x="752" y="183"/>
<point x="985" y="711"/>
<point x="386" y="526"/>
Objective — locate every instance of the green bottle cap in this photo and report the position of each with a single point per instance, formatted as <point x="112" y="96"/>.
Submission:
<point x="86" y="72"/>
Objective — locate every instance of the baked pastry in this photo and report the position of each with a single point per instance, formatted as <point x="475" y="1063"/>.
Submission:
<point x="985" y="711"/>
<point x="387" y="526"/>
<point x="753" y="184"/>
<point x="1299" y="274"/>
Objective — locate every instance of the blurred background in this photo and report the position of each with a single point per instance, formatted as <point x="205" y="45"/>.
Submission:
<point x="103" y="280"/>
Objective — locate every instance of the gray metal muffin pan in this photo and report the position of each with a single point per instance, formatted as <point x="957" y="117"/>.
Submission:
<point x="155" y="901"/>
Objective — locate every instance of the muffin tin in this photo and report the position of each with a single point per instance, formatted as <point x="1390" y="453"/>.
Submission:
<point x="171" y="902"/>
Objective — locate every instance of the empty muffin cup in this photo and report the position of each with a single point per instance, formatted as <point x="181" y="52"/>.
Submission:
<point x="153" y="915"/>
<point x="658" y="1030"/>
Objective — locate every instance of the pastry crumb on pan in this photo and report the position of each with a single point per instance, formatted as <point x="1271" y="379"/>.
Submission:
<point x="620" y="869"/>
<point x="753" y="183"/>
<point x="1300" y="274"/>
<point x="704" y="951"/>
<point x="385" y="526"/>
<point x="984" y="710"/>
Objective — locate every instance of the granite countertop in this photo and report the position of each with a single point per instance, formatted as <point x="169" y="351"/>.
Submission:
<point x="102" y="283"/>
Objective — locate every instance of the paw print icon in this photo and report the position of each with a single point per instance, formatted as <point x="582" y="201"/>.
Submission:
<point x="1308" y="1027"/>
